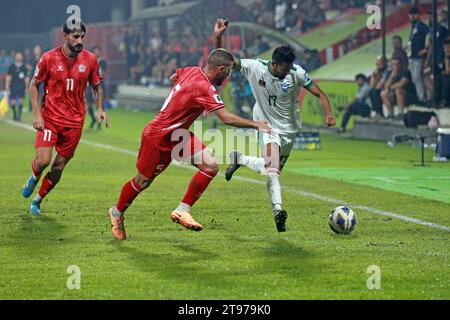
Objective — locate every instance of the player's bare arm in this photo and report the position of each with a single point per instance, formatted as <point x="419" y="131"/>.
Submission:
<point x="232" y="119"/>
<point x="219" y="29"/>
<point x="8" y="80"/>
<point x="99" y="97"/>
<point x="173" y="78"/>
<point x="38" y="121"/>
<point x="330" y="120"/>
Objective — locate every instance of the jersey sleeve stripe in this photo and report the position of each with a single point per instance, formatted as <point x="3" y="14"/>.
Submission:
<point x="309" y="84"/>
<point x="217" y="108"/>
<point x="100" y="81"/>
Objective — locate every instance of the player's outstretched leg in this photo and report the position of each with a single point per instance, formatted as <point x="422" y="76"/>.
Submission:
<point x="274" y="189"/>
<point x="280" y="220"/>
<point x="117" y="223"/>
<point x="50" y="180"/>
<point x="234" y="165"/>
<point x="129" y="192"/>
<point x="32" y="181"/>
<point x="208" y="169"/>
<point x="238" y="160"/>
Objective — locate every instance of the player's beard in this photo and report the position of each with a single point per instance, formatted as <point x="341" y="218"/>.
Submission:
<point x="221" y="79"/>
<point x="75" y="50"/>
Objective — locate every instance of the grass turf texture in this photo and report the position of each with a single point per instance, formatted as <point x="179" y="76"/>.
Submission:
<point x="239" y="255"/>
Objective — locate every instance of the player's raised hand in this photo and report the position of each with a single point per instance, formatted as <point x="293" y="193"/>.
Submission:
<point x="38" y="122"/>
<point x="330" y="120"/>
<point x="103" y="116"/>
<point x="220" y="27"/>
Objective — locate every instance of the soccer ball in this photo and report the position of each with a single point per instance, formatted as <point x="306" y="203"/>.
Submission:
<point x="342" y="220"/>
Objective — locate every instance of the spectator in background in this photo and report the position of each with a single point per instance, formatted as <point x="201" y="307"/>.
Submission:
<point x="17" y="81"/>
<point x="130" y="44"/>
<point x="241" y="91"/>
<point x="310" y="60"/>
<point x="266" y="16"/>
<point x="399" y="51"/>
<point x="441" y="34"/>
<point x="360" y="105"/>
<point x="138" y="69"/>
<point x="311" y="14"/>
<point x="280" y="15"/>
<point x="27" y="56"/>
<point x="377" y="82"/>
<point x="90" y="102"/>
<point x="37" y="54"/>
<point x="3" y="68"/>
<point x="398" y="89"/>
<point x="259" y="46"/>
<point x="417" y="37"/>
<point x="446" y="75"/>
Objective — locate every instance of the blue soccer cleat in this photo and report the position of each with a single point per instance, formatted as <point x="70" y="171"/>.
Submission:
<point x="35" y="208"/>
<point x="29" y="186"/>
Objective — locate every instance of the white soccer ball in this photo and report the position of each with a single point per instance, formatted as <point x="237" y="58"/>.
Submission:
<point x="342" y="220"/>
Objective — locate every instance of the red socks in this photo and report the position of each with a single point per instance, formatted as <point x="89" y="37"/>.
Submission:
<point x="129" y="192"/>
<point x="46" y="186"/>
<point x="35" y="172"/>
<point x="197" y="186"/>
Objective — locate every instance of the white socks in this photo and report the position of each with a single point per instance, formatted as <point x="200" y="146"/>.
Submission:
<point x="256" y="164"/>
<point x="274" y="188"/>
<point x="273" y="178"/>
<point x="183" y="207"/>
<point x="116" y="213"/>
<point x="37" y="198"/>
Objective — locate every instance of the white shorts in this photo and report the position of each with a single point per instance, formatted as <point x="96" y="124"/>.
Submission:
<point x="285" y="141"/>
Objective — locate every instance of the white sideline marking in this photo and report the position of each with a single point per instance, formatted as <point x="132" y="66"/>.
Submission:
<point x="260" y="182"/>
<point x="384" y="179"/>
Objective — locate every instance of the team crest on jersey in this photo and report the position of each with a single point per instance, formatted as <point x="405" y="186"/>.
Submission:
<point x="60" y="68"/>
<point x="307" y="77"/>
<point x="284" y="87"/>
<point x="262" y="83"/>
<point x="81" y="68"/>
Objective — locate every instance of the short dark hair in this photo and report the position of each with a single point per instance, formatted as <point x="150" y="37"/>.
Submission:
<point x="414" y="10"/>
<point x="68" y="30"/>
<point x="283" y="54"/>
<point x="397" y="37"/>
<point x="361" y="76"/>
<point x="220" y="57"/>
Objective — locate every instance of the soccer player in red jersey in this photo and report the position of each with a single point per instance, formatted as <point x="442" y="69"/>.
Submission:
<point x="65" y="72"/>
<point x="193" y="93"/>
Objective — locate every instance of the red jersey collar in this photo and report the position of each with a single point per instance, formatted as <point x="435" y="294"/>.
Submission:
<point x="65" y="55"/>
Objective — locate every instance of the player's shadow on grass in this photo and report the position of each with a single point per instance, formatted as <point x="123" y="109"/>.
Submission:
<point x="284" y="249"/>
<point x="38" y="233"/>
<point x="177" y="262"/>
<point x="289" y="259"/>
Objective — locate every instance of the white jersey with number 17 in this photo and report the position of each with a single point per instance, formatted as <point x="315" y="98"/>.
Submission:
<point x="276" y="99"/>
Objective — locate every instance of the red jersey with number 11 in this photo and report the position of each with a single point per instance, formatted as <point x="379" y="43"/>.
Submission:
<point x="65" y="81"/>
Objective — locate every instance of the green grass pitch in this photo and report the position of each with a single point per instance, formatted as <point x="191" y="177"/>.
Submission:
<point x="239" y="254"/>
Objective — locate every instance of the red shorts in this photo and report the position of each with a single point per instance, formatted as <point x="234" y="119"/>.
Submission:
<point x="156" y="153"/>
<point x="64" y="139"/>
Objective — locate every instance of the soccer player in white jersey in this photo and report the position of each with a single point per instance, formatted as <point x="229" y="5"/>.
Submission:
<point x="275" y="85"/>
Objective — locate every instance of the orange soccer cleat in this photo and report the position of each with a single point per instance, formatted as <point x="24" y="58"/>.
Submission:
<point x="186" y="220"/>
<point x="118" y="227"/>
